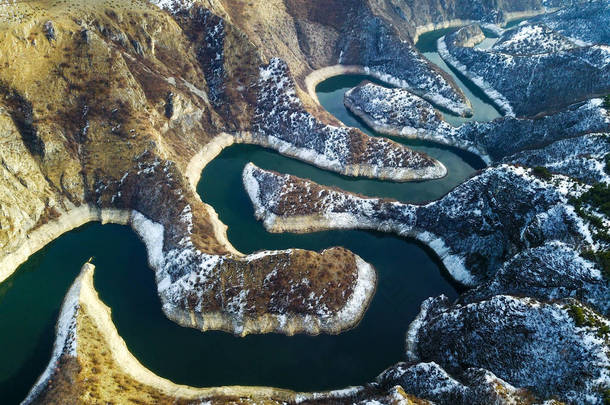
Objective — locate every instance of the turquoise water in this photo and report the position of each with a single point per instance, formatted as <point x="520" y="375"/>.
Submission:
<point x="482" y="105"/>
<point x="408" y="273"/>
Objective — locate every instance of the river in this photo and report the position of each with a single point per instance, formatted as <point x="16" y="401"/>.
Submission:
<point x="408" y="273"/>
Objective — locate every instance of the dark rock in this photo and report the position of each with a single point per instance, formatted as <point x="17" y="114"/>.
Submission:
<point x="49" y="30"/>
<point x="85" y="35"/>
<point x="22" y="113"/>
<point x="169" y="105"/>
<point x="137" y="46"/>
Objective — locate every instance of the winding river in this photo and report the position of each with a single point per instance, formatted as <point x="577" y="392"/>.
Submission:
<point x="408" y="273"/>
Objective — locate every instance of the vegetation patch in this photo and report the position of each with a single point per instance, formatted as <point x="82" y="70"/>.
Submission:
<point x="584" y="317"/>
<point x="598" y="198"/>
<point x="602" y="259"/>
<point x="542" y="172"/>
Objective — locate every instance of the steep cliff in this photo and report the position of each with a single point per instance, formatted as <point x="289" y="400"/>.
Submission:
<point x="111" y="115"/>
<point x="548" y="71"/>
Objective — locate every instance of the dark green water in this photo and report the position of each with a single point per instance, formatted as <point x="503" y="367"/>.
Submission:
<point x="408" y="273"/>
<point x="31" y="298"/>
<point x="482" y="105"/>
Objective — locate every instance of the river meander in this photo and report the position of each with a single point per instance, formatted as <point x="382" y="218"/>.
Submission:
<point x="408" y="273"/>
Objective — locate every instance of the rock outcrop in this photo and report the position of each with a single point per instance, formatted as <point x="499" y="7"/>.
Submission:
<point x="528" y="343"/>
<point x="549" y="140"/>
<point x="547" y="71"/>
<point x="474" y="387"/>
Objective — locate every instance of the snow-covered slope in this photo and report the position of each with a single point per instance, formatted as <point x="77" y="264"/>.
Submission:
<point x="282" y="123"/>
<point x="474" y="229"/>
<point x="523" y="341"/>
<point x="539" y="82"/>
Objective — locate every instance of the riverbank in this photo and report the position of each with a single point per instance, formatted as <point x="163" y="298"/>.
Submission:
<point x="508" y="17"/>
<point x="396" y="112"/>
<point x="193" y="172"/>
<point x="53" y="229"/>
<point x="492" y="93"/>
<point x="414" y="166"/>
<point x="88" y="347"/>
<point x="321" y="218"/>
<point x="318" y="76"/>
<point x="84" y="313"/>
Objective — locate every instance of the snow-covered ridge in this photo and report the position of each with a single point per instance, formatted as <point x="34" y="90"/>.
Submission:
<point x="187" y="278"/>
<point x="468" y="223"/>
<point x="282" y="123"/>
<point x="398" y="112"/>
<point x="584" y="23"/>
<point x="564" y="142"/>
<point x="500" y="100"/>
<point x="475" y="386"/>
<point x="531" y="39"/>
<point x="544" y="69"/>
<point x="523" y="341"/>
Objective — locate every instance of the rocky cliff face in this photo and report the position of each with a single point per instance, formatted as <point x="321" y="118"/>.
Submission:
<point x="514" y="235"/>
<point x="475" y="386"/>
<point x="546" y="68"/>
